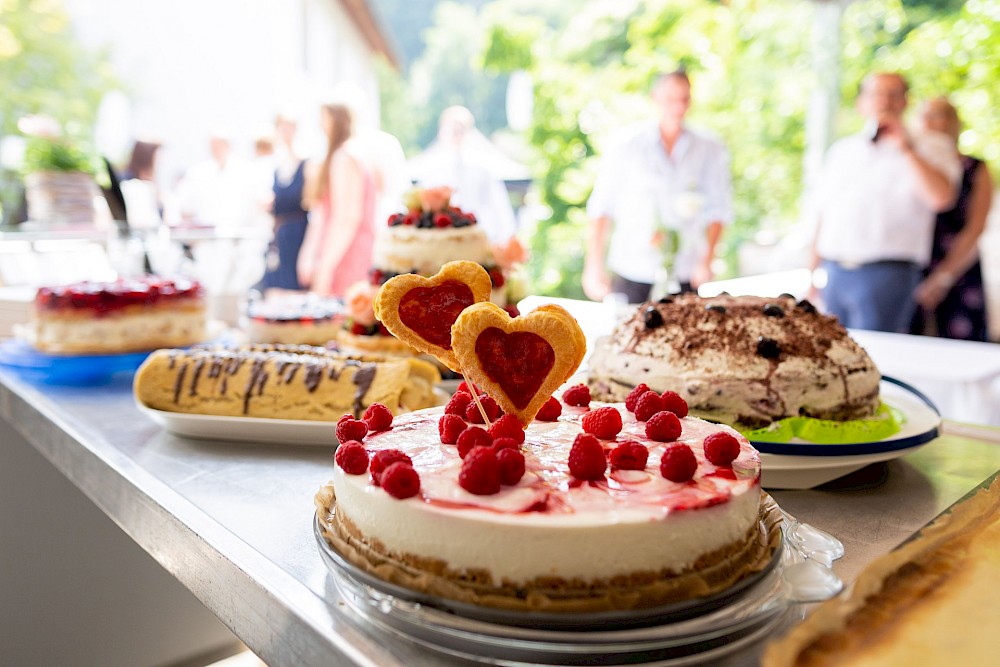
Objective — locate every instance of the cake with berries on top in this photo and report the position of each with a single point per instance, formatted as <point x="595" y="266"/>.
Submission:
<point x="294" y="320"/>
<point x="127" y="315"/>
<point x="747" y="361"/>
<point x="609" y="506"/>
<point x="427" y="236"/>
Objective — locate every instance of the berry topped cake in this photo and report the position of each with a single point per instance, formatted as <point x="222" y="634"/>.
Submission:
<point x="739" y="360"/>
<point x="294" y="320"/>
<point x="420" y="241"/>
<point x="511" y="498"/>
<point x="127" y="315"/>
<point x="606" y="511"/>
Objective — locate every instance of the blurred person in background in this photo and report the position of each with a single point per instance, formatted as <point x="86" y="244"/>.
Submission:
<point x="879" y="192"/>
<point x="340" y="196"/>
<point x="951" y="297"/>
<point x="458" y="159"/>
<point x="220" y="192"/>
<point x="140" y="191"/>
<point x="662" y="197"/>
<point x="290" y="217"/>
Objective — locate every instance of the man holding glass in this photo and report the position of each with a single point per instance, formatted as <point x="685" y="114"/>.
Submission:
<point x="662" y="196"/>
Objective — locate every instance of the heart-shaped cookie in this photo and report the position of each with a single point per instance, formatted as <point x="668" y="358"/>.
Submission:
<point x="518" y="361"/>
<point x="420" y="311"/>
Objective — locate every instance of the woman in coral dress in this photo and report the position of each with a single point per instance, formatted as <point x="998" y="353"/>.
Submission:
<point x="340" y="195"/>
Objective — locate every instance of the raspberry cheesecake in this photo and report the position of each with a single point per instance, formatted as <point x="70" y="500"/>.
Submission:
<point x="126" y="315"/>
<point x="590" y="508"/>
<point x="739" y="360"/>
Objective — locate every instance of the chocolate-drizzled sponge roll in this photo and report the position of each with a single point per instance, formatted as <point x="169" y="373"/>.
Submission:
<point x="273" y="381"/>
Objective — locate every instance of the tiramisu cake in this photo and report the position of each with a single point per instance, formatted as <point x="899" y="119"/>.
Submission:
<point x="562" y="521"/>
<point x="739" y="360"/>
<point x="128" y="315"/>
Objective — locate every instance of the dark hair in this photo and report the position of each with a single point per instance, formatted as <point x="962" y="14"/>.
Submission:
<point x="141" y="162"/>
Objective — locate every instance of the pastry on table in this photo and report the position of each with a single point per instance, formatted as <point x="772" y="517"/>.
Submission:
<point x="932" y="601"/>
<point x="281" y="382"/>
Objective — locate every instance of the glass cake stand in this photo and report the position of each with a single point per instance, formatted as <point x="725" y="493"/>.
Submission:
<point x="691" y="632"/>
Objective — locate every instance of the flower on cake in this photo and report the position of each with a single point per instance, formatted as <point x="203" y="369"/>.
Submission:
<point x="358" y="301"/>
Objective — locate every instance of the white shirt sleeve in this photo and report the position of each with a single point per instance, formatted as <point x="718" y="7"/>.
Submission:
<point x="602" y="198"/>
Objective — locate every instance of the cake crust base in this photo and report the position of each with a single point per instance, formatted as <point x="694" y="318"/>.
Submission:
<point x="713" y="573"/>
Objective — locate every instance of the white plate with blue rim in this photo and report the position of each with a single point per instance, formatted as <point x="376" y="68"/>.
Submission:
<point x="803" y="465"/>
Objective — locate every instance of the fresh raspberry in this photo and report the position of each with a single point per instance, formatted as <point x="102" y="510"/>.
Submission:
<point x="480" y="472"/>
<point x="586" y="458"/>
<point x="473" y="414"/>
<point x="721" y="448"/>
<point x="400" y="480"/>
<point x="385" y="458"/>
<point x="550" y="411"/>
<point x="630" y="455"/>
<point x="648" y="405"/>
<point x="464" y="386"/>
<point x="634" y="395"/>
<point x="512" y="310"/>
<point x="411" y="218"/>
<point x="351" y="429"/>
<point x="678" y="463"/>
<point x="507" y="426"/>
<point x="359" y="329"/>
<point x="344" y="417"/>
<point x="578" y="395"/>
<point x="663" y="427"/>
<point x="378" y="418"/>
<point x="506" y="443"/>
<point x="458" y="403"/>
<point x="604" y="422"/>
<point x="496" y="276"/>
<point x="672" y="402"/>
<point x="450" y="427"/>
<point x="511" y="466"/>
<point x="471" y="437"/>
<point x="352" y="457"/>
<point x="442" y="220"/>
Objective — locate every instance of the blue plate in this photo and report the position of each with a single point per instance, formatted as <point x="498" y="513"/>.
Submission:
<point x="921" y="424"/>
<point x="31" y="364"/>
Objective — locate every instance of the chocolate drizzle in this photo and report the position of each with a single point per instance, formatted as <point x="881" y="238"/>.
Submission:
<point x="179" y="382"/>
<point x="199" y="364"/>
<point x="313" y="376"/>
<point x="363" y="378"/>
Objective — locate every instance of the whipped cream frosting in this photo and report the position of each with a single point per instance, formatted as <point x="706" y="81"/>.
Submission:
<point x="407" y="249"/>
<point x="550" y="524"/>
<point x="743" y="359"/>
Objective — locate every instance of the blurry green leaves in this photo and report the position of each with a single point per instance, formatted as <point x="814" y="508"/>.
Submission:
<point x="55" y="154"/>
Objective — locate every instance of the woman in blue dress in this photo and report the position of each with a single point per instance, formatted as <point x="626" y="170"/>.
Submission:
<point x="290" y="218"/>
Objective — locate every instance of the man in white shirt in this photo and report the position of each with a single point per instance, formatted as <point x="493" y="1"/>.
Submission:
<point x="663" y="196"/>
<point x="879" y="193"/>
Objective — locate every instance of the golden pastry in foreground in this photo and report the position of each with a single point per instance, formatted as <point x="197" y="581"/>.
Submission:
<point x="933" y="601"/>
<point x="281" y="382"/>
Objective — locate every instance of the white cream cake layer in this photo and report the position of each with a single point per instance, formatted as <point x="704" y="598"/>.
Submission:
<point x="715" y="360"/>
<point x="407" y="249"/>
<point x="550" y="524"/>
<point x="131" y="329"/>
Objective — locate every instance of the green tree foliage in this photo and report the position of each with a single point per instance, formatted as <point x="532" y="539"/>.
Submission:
<point x="44" y="69"/>
<point x="751" y="66"/>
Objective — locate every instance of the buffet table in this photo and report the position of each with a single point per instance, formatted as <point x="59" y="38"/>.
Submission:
<point x="232" y="522"/>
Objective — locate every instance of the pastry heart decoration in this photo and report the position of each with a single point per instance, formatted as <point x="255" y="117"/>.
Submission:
<point x="420" y="311"/>
<point x="519" y="361"/>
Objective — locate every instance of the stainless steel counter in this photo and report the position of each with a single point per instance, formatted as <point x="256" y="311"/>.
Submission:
<point x="232" y="522"/>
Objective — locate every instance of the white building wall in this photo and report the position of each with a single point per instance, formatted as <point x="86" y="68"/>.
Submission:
<point x="194" y="67"/>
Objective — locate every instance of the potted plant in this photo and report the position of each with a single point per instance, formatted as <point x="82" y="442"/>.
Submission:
<point x="59" y="181"/>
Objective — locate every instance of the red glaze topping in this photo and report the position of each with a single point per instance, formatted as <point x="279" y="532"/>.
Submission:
<point x="430" y="311"/>
<point x="104" y="297"/>
<point x="518" y="362"/>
